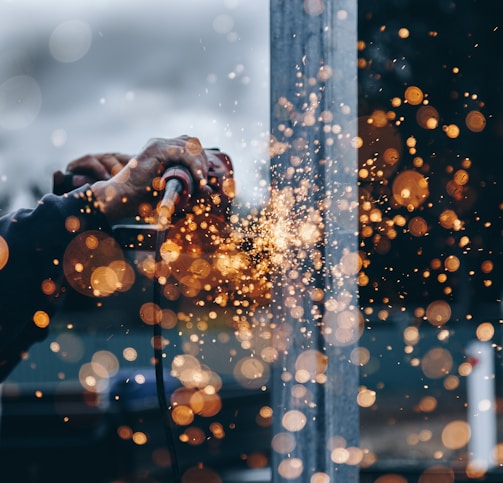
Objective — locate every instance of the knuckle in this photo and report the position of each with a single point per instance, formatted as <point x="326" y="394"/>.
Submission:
<point x="152" y="143"/>
<point x="88" y="158"/>
<point x="85" y="160"/>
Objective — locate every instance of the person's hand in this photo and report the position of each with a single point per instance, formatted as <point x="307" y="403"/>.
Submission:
<point x="96" y="167"/>
<point x="138" y="183"/>
<point x="87" y="170"/>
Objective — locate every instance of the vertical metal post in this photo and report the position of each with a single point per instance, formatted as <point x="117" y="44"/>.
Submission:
<point x="315" y="205"/>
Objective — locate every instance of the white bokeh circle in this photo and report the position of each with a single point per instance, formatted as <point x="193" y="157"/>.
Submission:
<point x="20" y="101"/>
<point x="70" y="40"/>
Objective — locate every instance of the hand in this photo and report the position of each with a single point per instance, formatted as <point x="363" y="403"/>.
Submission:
<point x="126" y="192"/>
<point x="96" y="167"/>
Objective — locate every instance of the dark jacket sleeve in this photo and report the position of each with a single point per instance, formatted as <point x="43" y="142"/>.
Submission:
<point x="32" y="246"/>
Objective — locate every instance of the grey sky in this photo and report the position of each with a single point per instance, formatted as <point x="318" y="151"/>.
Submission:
<point x="93" y="76"/>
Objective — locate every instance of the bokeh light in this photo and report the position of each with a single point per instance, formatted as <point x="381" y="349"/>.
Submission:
<point x="437" y="363"/>
<point x="456" y="434"/>
<point x="4" y="252"/>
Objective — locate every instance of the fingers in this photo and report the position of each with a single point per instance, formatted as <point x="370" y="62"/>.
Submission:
<point x="137" y="179"/>
<point x="96" y="167"/>
<point x="184" y="150"/>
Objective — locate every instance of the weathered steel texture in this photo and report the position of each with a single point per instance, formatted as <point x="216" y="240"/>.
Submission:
<point x="313" y="156"/>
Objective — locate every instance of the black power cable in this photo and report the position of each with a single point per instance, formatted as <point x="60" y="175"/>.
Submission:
<point x="178" y="188"/>
<point x="165" y="408"/>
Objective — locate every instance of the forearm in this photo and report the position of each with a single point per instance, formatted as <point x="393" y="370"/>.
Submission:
<point x="31" y="274"/>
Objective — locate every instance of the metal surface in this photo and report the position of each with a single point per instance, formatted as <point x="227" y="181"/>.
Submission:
<point x="313" y="119"/>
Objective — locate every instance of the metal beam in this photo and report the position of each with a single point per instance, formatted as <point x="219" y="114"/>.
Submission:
<point x="314" y="206"/>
